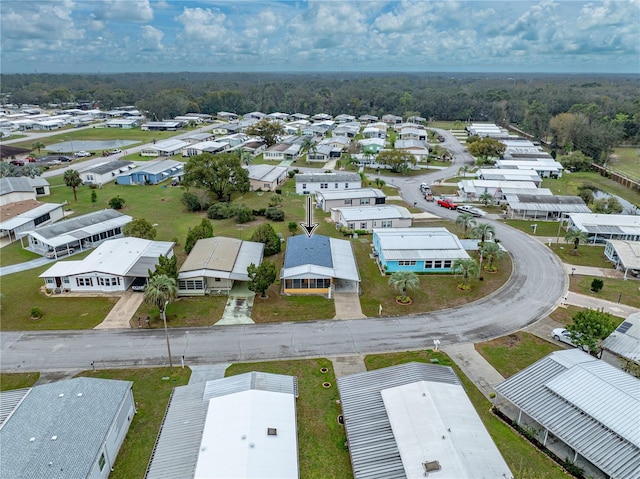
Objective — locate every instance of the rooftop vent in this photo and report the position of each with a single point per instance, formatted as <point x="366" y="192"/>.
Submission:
<point x="32" y="439"/>
<point x="272" y="431"/>
<point x="61" y="395"/>
<point x="79" y="394"/>
<point x="431" y="466"/>
<point x="53" y="438"/>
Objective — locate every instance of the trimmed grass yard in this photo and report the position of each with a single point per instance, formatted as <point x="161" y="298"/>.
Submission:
<point x="628" y="291"/>
<point x="543" y="228"/>
<point x="321" y="440"/>
<point x="565" y="315"/>
<point x="151" y="393"/>
<point x="9" y="381"/>
<point x="21" y="292"/>
<point x="588" y="255"/>
<point x="14" y="254"/>
<point x="184" y="312"/>
<point x="512" y="353"/>
<point x="524" y="460"/>
<point x="626" y="160"/>
<point x="569" y="183"/>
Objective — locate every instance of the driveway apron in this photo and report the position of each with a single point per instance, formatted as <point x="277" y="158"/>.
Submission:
<point x="239" y="305"/>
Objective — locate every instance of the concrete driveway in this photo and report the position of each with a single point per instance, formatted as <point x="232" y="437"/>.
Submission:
<point x="347" y="306"/>
<point x="120" y="315"/>
<point x="239" y="305"/>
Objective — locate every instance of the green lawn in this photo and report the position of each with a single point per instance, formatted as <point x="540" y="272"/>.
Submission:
<point x="565" y="315"/>
<point x="588" y="255"/>
<point x="569" y="184"/>
<point x="626" y="160"/>
<point x="628" y="291"/>
<point x="184" y="313"/>
<point x="543" y="228"/>
<point x="21" y="292"/>
<point x="524" y="460"/>
<point x="14" y="254"/>
<point x="151" y="393"/>
<point x="10" y="381"/>
<point x="512" y="353"/>
<point x="321" y="439"/>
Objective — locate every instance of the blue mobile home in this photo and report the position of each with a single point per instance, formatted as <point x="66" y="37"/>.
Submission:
<point x="152" y="173"/>
<point x="420" y="250"/>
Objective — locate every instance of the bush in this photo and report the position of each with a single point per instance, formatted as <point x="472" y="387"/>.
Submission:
<point x="596" y="285"/>
<point x="291" y="173"/>
<point x="278" y="191"/>
<point x="36" y="312"/>
<point x="93" y="186"/>
<point x="191" y="201"/>
<point x="274" y="214"/>
<point x="243" y="215"/>
<point x="259" y="212"/>
<point x="275" y="200"/>
<point x="220" y="211"/>
<point x="116" y="203"/>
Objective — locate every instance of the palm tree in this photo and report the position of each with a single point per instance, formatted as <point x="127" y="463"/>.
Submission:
<point x="160" y="289"/>
<point x="486" y="198"/>
<point x="465" y="267"/>
<point x="38" y="145"/>
<point x="482" y="231"/>
<point x="403" y="281"/>
<point x="491" y="251"/>
<point x="466" y="220"/>
<point x="72" y="180"/>
<point x="246" y="158"/>
<point x="463" y="170"/>
<point x="576" y="237"/>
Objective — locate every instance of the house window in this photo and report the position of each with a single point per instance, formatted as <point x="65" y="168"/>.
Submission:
<point x="447" y="263"/>
<point x="347" y="202"/>
<point x="437" y="264"/>
<point x="364" y="201"/>
<point x="89" y="177"/>
<point x="304" y="186"/>
<point x="217" y="280"/>
<point x="191" y="285"/>
<point x="386" y="223"/>
<point x="407" y="263"/>
<point x="65" y="280"/>
<point x="42" y="219"/>
<point x="363" y="225"/>
<point x="324" y="186"/>
<point x="352" y="225"/>
<point x="84" y="281"/>
<point x="346" y="185"/>
<point x="102" y="461"/>
<point x="375" y="223"/>
<point x="335" y="185"/>
<point x="428" y="264"/>
<point x="49" y="280"/>
<point x="39" y="190"/>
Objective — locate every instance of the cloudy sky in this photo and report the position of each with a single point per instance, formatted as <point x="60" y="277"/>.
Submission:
<point x="84" y="36"/>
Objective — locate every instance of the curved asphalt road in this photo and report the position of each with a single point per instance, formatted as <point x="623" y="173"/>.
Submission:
<point x="534" y="289"/>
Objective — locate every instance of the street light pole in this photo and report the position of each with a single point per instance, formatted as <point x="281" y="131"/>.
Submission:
<point x="559" y="227"/>
<point x="166" y="332"/>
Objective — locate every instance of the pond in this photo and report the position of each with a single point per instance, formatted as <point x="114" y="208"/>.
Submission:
<point x="628" y="208"/>
<point x="94" y="146"/>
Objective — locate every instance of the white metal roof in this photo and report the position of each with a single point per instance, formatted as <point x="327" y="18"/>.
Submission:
<point x="351" y="193"/>
<point x="437" y="422"/>
<point x="628" y="252"/>
<point x="168" y="145"/>
<point x="625" y="340"/>
<point x="606" y="224"/>
<point x="419" y="243"/>
<point x="545" y="203"/>
<point x="476" y="186"/>
<point x="266" y="172"/>
<point x="119" y="257"/>
<point x="588" y="404"/>
<point x="74" y="229"/>
<point x="383" y="212"/>
<point x="155" y="167"/>
<point x="27" y="216"/>
<point x="344" y="261"/>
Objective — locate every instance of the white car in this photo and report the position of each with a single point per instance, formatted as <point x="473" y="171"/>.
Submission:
<point x="562" y="335"/>
<point x="82" y="154"/>
<point x="115" y="151"/>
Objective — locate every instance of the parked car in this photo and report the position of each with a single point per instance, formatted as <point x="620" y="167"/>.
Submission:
<point x="138" y="284"/>
<point x="65" y="159"/>
<point x="54" y="162"/>
<point x="115" y="151"/>
<point x="83" y="154"/>
<point x="476" y="212"/>
<point x="31" y="159"/>
<point x="597" y="240"/>
<point x="563" y="335"/>
<point x="446" y="203"/>
<point x="61" y="252"/>
<point x="17" y="162"/>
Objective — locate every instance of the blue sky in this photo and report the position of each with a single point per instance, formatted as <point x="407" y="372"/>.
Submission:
<point x="86" y="36"/>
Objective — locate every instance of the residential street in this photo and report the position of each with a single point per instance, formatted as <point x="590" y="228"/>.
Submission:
<point x="535" y="288"/>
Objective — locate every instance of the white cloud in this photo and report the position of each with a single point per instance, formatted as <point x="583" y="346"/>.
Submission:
<point x="125" y="10"/>
<point x="152" y="38"/>
<point x="203" y="25"/>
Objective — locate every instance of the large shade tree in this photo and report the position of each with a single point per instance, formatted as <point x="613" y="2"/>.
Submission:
<point x="590" y="327"/>
<point x="221" y="174"/>
<point x="266" y="129"/>
<point x="576" y="237"/>
<point x="261" y="277"/>
<point x="160" y="289"/>
<point x="399" y="161"/>
<point x="72" y="180"/>
<point x="403" y="281"/>
<point x="140" y="228"/>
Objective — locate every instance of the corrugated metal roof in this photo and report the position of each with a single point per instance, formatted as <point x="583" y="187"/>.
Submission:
<point x="625" y="340"/>
<point x="362" y="213"/>
<point x="78" y="412"/>
<point x="344" y="261"/>
<point x="328" y="177"/>
<point x="628" y="252"/>
<point x="175" y="455"/>
<point x="588" y="404"/>
<point x="30" y="215"/>
<point x="108" y="167"/>
<point x="372" y="445"/>
<point x="9" y="402"/>
<point x="418" y="243"/>
<point x="330" y="195"/>
<point x="606" y="224"/>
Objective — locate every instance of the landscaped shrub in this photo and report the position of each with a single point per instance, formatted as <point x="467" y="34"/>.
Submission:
<point x="36" y="313"/>
<point x="259" y="212"/>
<point x="274" y="214"/>
<point x="278" y="191"/>
<point x="220" y="211"/>
<point x="596" y="285"/>
<point x="243" y="215"/>
<point x="116" y="203"/>
<point x="191" y="201"/>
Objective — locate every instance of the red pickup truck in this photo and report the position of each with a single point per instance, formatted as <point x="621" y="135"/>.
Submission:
<point x="445" y="203"/>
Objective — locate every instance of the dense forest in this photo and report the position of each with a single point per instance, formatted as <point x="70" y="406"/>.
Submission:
<point x="586" y="112"/>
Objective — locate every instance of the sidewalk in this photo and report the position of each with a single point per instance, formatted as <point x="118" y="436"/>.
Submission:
<point x="572" y="269"/>
<point x="621" y="310"/>
<point x="475" y="367"/>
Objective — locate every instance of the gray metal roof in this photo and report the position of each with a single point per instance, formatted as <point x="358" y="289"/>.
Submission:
<point x="78" y="412"/>
<point x="30" y="215"/>
<point x="265" y="172"/>
<point x="372" y="445"/>
<point x="84" y="222"/>
<point x="379" y="212"/>
<point x="546" y="203"/>
<point x="156" y="167"/>
<point x="109" y="167"/>
<point x="625" y="340"/>
<point x="351" y="193"/>
<point x="328" y="177"/>
<point x="20" y="184"/>
<point x="588" y="404"/>
<point x="177" y="448"/>
<point x="418" y="244"/>
<point x="628" y="253"/>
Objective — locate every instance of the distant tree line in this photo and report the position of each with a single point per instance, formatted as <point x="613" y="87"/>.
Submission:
<point x="587" y="113"/>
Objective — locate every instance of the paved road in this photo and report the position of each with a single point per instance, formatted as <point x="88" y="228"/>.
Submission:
<point x="535" y="288"/>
